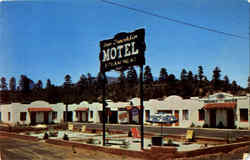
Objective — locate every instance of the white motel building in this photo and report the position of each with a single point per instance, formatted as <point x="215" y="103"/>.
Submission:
<point x="214" y="110"/>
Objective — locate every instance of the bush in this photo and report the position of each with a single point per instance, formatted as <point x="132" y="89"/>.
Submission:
<point x="90" y="141"/>
<point x="192" y="125"/>
<point x="45" y="136"/>
<point x="129" y="134"/>
<point x="170" y="141"/>
<point x="220" y="125"/>
<point x="205" y="125"/>
<point x="65" y="137"/>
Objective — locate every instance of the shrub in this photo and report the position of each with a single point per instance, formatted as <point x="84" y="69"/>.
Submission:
<point x="205" y="125"/>
<point x="129" y="134"/>
<point x="220" y="125"/>
<point x="90" y="141"/>
<point x="65" y="137"/>
<point x="192" y="125"/>
<point x="45" y="136"/>
<point x="170" y="141"/>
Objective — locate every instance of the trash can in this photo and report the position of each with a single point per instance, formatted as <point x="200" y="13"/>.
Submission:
<point x="157" y="141"/>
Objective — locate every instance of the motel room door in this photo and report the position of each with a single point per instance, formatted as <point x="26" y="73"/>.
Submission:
<point x="176" y="114"/>
<point x="80" y="116"/>
<point x="230" y="118"/>
<point x="46" y="117"/>
<point x="33" y="118"/>
<point x="213" y="118"/>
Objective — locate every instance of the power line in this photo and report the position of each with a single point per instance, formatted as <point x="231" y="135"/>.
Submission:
<point x="174" y="20"/>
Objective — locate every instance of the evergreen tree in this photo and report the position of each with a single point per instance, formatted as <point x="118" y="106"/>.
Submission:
<point x="183" y="75"/>
<point x="190" y="76"/>
<point x="234" y="87"/>
<point x="148" y="77"/>
<point x="3" y="84"/>
<point x="225" y="83"/>
<point x="200" y="73"/>
<point x="24" y="83"/>
<point x="90" y="79"/>
<point x="39" y="84"/>
<point x="216" y="78"/>
<point x="83" y="82"/>
<point x="12" y="84"/>
<point x="132" y="77"/>
<point x="67" y="81"/>
<point x="4" y="94"/>
<point x="67" y="94"/>
<point x="122" y="79"/>
<point x="48" y="84"/>
<point x="163" y="75"/>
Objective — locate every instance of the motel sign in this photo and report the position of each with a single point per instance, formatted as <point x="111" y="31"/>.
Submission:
<point x="124" y="50"/>
<point x="119" y="53"/>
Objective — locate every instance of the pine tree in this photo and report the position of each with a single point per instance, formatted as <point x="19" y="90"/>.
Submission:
<point x="3" y="84"/>
<point x="24" y="83"/>
<point x="216" y="78"/>
<point x="183" y="75"/>
<point x="132" y="77"/>
<point x="200" y="73"/>
<point x="39" y="84"/>
<point x="67" y="94"/>
<point x="67" y="81"/>
<point x="234" y="87"/>
<point x="90" y="80"/>
<point x="12" y="84"/>
<point x="48" y="84"/>
<point x="163" y="75"/>
<point x="225" y="83"/>
<point x="148" y="77"/>
<point x="122" y="79"/>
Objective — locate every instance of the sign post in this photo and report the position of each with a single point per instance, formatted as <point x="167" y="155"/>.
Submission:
<point x="123" y="51"/>
<point x="142" y="107"/>
<point x="103" y="108"/>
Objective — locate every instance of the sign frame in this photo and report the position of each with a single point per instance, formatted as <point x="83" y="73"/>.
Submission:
<point x="123" y="51"/>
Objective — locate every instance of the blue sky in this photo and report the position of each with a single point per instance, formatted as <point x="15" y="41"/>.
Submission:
<point x="51" y="38"/>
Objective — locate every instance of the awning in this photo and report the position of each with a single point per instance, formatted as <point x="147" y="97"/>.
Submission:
<point x="220" y="106"/>
<point x="81" y="109"/>
<point x="41" y="109"/>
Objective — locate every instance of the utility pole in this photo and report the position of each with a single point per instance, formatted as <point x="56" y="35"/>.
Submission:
<point x="249" y="46"/>
<point x="248" y="87"/>
<point x="141" y="107"/>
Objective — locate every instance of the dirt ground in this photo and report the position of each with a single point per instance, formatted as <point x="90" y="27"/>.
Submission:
<point x="236" y="154"/>
<point x="16" y="149"/>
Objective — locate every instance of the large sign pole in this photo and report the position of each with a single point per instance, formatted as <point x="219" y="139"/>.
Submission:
<point x="142" y="107"/>
<point x="103" y="108"/>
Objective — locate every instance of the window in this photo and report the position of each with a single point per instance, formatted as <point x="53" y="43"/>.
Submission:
<point x="243" y="115"/>
<point x="201" y="114"/>
<point x="8" y="116"/>
<point x="91" y="114"/>
<point x="54" y="115"/>
<point x="22" y="116"/>
<point x="147" y="114"/>
<point x="185" y="114"/>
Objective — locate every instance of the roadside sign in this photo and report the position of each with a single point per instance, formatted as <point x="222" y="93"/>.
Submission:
<point x="124" y="50"/>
